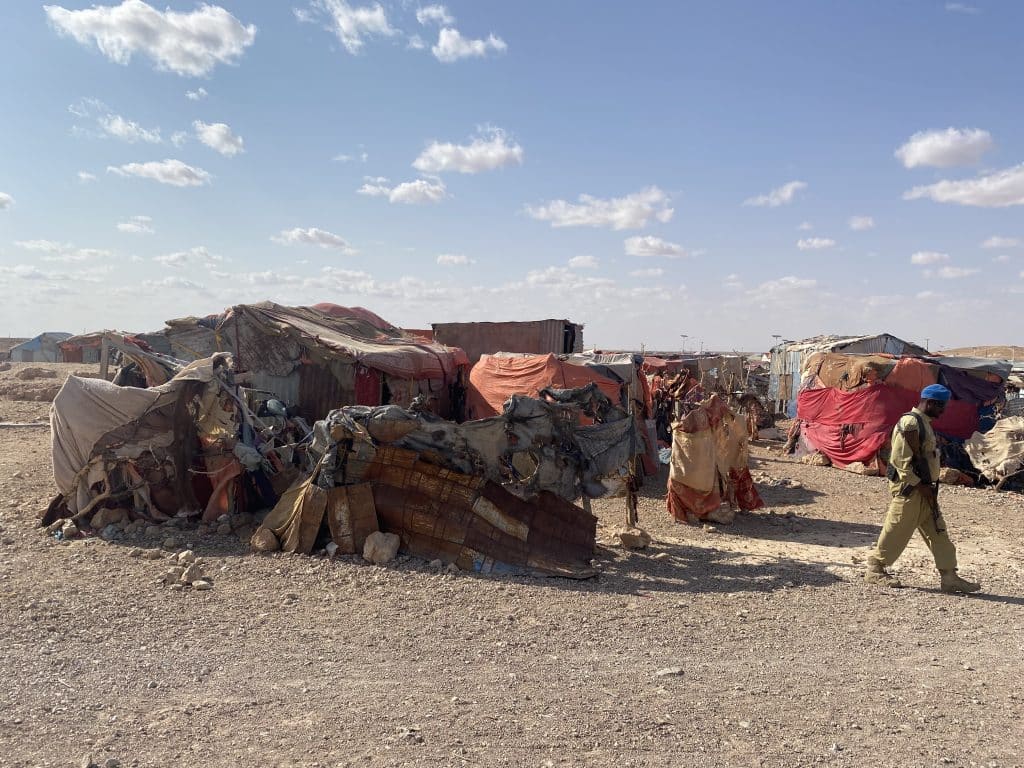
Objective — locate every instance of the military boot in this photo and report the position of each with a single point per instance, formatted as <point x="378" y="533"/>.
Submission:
<point x="876" y="574"/>
<point x="951" y="582"/>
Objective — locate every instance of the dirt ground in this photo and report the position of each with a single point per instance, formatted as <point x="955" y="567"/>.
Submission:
<point x="755" y="644"/>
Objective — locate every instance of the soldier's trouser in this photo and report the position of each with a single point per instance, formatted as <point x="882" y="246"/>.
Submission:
<point x="905" y="516"/>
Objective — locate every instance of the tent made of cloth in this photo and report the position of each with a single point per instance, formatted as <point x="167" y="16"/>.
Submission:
<point x="92" y="420"/>
<point x="271" y="338"/>
<point x="320" y="359"/>
<point x="268" y="333"/>
<point x="709" y="464"/>
<point x="853" y="426"/>
<point x="494" y="379"/>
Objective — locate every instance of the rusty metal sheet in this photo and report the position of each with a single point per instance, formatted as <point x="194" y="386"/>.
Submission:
<point x="351" y="516"/>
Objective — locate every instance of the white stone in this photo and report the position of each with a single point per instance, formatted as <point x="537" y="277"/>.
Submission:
<point x="381" y="547"/>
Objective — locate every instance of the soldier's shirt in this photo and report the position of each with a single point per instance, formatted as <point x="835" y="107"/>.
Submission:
<point x="902" y="453"/>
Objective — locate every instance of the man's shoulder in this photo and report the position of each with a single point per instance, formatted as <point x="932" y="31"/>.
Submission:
<point x="909" y="422"/>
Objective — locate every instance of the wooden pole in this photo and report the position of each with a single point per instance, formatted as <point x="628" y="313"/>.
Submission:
<point x="104" y="359"/>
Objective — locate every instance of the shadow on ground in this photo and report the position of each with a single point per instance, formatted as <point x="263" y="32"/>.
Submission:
<point x="818" y="531"/>
<point x="683" y="569"/>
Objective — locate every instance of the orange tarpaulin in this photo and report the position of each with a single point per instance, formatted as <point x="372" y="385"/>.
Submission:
<point x="493" y="380"/>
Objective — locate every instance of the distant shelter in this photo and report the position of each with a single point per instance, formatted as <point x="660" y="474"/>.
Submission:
<point x="535" y="337"/>
<point x="787" y="361"/>
<point x="44" y="348"/>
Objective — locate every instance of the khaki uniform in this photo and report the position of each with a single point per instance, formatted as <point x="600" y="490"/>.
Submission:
<point x="913" y="512"/>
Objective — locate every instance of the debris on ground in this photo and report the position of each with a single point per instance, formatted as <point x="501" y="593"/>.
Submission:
<point x="634" y="538"/>
<point x="816" y="459"/>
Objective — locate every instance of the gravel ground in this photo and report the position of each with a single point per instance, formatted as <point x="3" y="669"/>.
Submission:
<point x="752" y="644"/>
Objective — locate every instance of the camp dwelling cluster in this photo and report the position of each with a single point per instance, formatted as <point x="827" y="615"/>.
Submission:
<point x="479" y="446"/>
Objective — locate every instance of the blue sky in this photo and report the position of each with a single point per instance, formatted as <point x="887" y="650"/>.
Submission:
<point x="726" y="170"/>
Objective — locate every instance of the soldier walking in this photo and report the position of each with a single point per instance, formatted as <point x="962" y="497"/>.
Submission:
<point x="913" y="482"/>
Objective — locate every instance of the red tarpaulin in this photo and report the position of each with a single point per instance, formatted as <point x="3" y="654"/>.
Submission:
<point x="852" y="426"/>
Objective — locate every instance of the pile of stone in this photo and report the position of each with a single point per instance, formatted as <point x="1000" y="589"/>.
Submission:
<point x="187" y="572"/>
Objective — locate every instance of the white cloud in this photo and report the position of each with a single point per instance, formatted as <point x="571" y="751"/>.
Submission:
<point x="928" y="257"/>
<point x="362" y="157"/>
<point x="127" y="130"/>
<point x="218" y="136"/>
<point x="962" y="8"/>
<point x="582" y="262"/>
<point x="564" y="280"/>
<point x="172" y="282"/>
<point x="375" y="186"/>
<point x="815" y="243"/>
<point x="1003" y="258"/>
<point x="648" y="245"/>
<point x="434" y="14"/>
<point x="490" y="150"/>
<point x="314" y="236"/>
<point x="953" y="273"/>
<point x="996" y="190"/>
<point x="944" y="149"/>
<point x="779" y="196"/>
<point x="85" y="177"/>
<point x="197" y="95"/>
<point x="860" y="223"/>
<point x="452" y="46"/>
<point x="110" y="124"/>
<point x="805" y="226"/>
<point x="198" y="256"/>
<point x="416" y="43"/>
<point x="788" y="294"/>
<point x="190" y="43"/>
<point x="173" y="172"/>
<point x="178" y="138"/>
<point x="64" y="252"/>
<point x="454" y="260"/>
<point x="6" y="201"/>
<point x="1002" y="242"/>
<point x="350" y="25"/>
<point x="31" y="272"/>
<point x="633" y="211"/>
<point x="418" y="192"/>
<point x="652" y="272"/>
<point x="137" y="225"/>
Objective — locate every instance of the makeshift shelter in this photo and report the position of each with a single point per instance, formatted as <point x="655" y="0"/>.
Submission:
<point x="44" y="348"/>
<point x="6" y="344"/>
<point x="535" y="337"/>
<point x="627" y="368"/>
<point x="319" y="358"/>
<point x="132" y="448"/>
<point x="496" y="378"/>
<point x="787" y="361"/>
<point x="850" y="403"/>
<point x="491" y="495"/>
<point x="999" y="454"/>
<point x="709" y="465"/>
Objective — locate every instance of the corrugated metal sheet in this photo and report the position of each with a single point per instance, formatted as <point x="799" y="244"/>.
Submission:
<point x="314" y="389"/>
<point x="1014" y="407"/>
<point x="284" y="388"/>
<point x="536" y="337"/>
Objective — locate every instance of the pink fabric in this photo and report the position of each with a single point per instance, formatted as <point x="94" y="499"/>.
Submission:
<point x="852" y="426"/>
